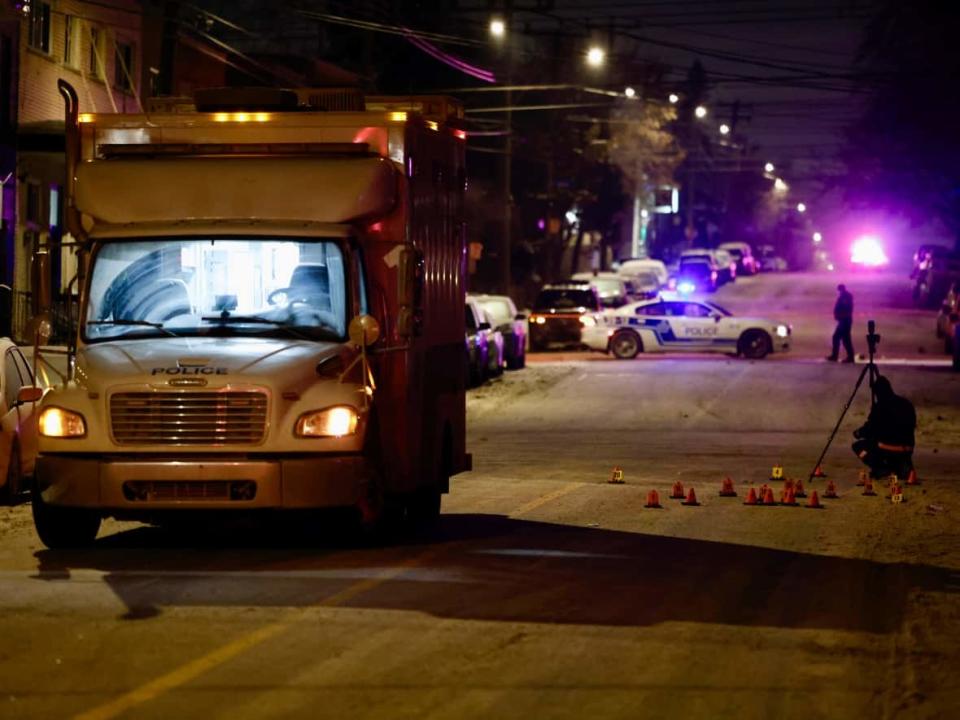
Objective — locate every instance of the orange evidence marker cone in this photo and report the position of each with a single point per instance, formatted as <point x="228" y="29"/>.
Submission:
<point x="789" y="497"/>
<point x="868" y="487"/>
<point x="788" y="484"/>
<point x="768" y="498"/>
<point x="801" y="493"/>
<point x="751" y="498"/>
<point x="818" y="472"/>
<point x="691" y="498"/>
<point x="653" y="499"/>
<point x="726" y="489"/>
<point x="912" y="478"/>
<point x="677" y="492"/>
<point x="813" y="502"/>
<point x="831" y="491"/>
<point x="616" y="477"/>
<point x="862" y="478"/>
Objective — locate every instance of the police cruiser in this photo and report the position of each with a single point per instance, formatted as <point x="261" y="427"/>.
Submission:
<point x="682" y="325"/>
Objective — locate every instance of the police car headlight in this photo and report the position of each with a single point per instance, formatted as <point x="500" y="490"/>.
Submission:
<point x="56" y="422"/>
<point x="588" y="321"/>
<point x="782" y="331"/>
<point x="337" y="421"/>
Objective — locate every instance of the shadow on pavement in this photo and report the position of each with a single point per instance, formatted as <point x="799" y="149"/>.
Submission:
<point x="491" y="567"/>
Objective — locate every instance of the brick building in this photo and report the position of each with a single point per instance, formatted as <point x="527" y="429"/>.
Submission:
<point x="96" y="47"/>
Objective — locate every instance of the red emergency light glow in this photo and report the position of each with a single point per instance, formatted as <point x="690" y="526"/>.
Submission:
<point x="462" y="134"/>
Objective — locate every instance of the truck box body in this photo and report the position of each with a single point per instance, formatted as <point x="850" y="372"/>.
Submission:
<point x="228" y="252"/>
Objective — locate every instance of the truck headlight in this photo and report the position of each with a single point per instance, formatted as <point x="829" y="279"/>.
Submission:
<point x="336" y="421"/>
<point x="56" y="422"/>
<point x="782" y="331"/>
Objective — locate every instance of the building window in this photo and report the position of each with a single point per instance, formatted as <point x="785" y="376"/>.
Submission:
<point x="34" y="199"/>
<point x="69" y="40"/>
<point x="95" y="60"/>
<point x="123" y="67"/>
<point x="40" y="27"/>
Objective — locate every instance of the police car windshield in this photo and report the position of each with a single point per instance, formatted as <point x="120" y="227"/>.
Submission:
<point x="564" y="299"/>
<point x="722" y="310"/>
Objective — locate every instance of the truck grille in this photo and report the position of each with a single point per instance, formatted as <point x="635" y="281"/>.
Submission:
<point x="188" y="418"/>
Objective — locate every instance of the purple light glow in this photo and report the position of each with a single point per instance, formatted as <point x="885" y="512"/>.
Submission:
<point x="868" y="252"/>
<point x="541" y="224"/>
<point x="446" y="58"/>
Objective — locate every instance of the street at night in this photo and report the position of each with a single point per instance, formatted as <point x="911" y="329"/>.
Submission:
<point x="545" y="359"/>
<point x="548" y="591"/>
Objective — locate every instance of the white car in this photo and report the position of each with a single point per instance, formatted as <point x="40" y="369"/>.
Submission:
<point x="683" y="325"/>
<point x="18" y="424"/>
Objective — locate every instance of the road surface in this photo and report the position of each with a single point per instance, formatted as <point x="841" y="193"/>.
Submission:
<point x="548" y="592"/>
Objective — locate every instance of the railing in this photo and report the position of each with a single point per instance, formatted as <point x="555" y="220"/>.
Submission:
<point x="63" y="318"/>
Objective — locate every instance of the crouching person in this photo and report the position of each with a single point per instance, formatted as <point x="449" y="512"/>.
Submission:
<point x="885" y="442"/>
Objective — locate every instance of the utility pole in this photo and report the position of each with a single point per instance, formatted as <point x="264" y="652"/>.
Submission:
<point x="506" y="244"/>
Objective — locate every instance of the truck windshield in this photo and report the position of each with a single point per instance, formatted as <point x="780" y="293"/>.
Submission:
<point x="217" y="286"/>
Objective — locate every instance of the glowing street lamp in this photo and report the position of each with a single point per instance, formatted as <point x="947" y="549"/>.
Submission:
<point x="769" y="167"/>
<point x="724" y="129"/>
<point x="801" y="208"/>
<point x="630" y="92"/>
<point x="700" y="111"/>
<point x="817" y="237"/>
<point x="779" y="185"/>
<point x="673" y="98"/>
<point x="498" y="28"/>
<point x="596" y="57"/>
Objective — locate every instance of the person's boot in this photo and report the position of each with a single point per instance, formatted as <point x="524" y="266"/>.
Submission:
<point x="831" y="358"/>
<point x="848" y="359"/>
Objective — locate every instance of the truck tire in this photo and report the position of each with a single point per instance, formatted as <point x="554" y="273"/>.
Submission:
<point x="14" y="480"/>
<point x="754" y="344"/>
<point x="63" y="527"/>
<point x="626" y="345"/>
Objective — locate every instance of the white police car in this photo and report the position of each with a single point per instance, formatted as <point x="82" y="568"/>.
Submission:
<point x="682" y="325"/>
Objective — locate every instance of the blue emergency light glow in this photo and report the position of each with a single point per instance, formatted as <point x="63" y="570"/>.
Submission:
<point x="685" y="287"/>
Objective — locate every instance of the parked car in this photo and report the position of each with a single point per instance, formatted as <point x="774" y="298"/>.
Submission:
<point x="743" y="255"/>
<point x="684" y="326"/>
<point x="645" y="284"/>
<point x="769" y="260"/>
<point x="477" y="341"/>
<point x="722" y="263"/>
<point x="512" y="325"/>
<point x="949" y="317"/>
<point x="495" y="347"/>
<point x="560" y="312"/>
<point x="613" y="288"/>
<point x="935" y="274"/>
<point x="632" y="266"/>
<point x="18" y="426"/>
<point x="696" y="275"/>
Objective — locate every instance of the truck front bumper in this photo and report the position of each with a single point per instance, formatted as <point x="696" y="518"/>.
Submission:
<point x="209" y="483"/>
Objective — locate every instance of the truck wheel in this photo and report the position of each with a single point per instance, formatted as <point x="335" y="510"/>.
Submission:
<point x="626" y="345"/>
<point x="63" y="527"/>
<point x="755" y="344"/>
<point x="11" y="488"/>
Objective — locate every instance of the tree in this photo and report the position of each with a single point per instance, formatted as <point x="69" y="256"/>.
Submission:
<point x="904" y="152"/>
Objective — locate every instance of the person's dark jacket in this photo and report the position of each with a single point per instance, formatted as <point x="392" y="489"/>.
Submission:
<point x="843" y="310"/>
<point x="892" y="421"/>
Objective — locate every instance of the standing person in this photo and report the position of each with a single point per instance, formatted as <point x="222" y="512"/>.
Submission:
<point x="885" y="442"/>
<point x="843" y="314"/>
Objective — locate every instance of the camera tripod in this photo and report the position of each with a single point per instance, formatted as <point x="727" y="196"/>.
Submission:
<point x="869" y="370"/>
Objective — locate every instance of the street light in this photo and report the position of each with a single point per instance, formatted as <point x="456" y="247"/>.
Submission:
<point x="596" y="57"/>
<point x="769" y="167"/>
<point x="724" y="129"/>
<point x="700" y="111"/>
<point x="801" y="208"/>
<point x="779" y="185"/>
<point x="817" y="237"/>
<point x="630" y="92"/>
<point x="498" y="28"/>
<point x="673" y="98"/>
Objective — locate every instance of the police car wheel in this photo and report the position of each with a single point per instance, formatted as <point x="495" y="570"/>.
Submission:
<point x="625" y="345"/>
<point x="755" y="344"/>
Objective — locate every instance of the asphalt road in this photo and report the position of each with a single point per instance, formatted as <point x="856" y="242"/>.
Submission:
<point x="548" y="592"/>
